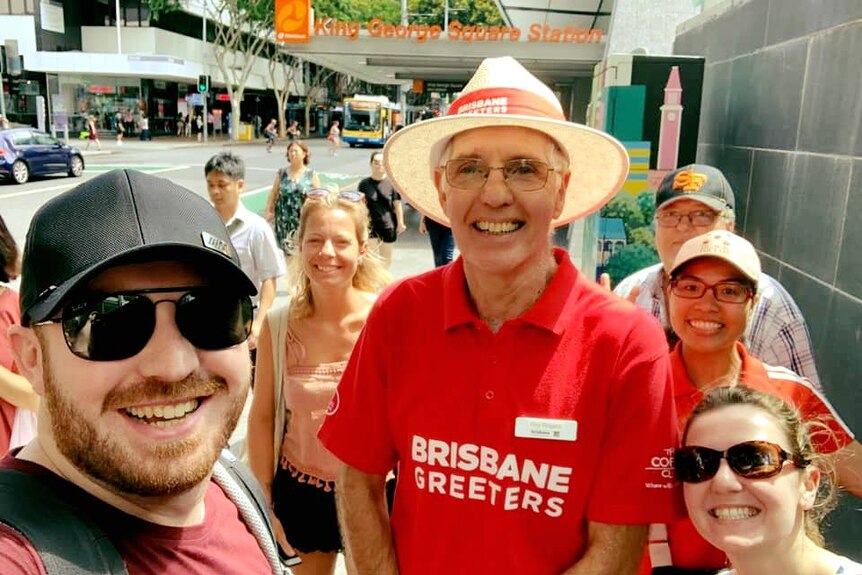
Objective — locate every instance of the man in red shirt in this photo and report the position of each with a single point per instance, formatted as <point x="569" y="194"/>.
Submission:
<point x="133" y="329"/>
<point x="529" y="411"/>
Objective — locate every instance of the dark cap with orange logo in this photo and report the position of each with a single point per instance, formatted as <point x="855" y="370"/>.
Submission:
<point x="698" y="182"/>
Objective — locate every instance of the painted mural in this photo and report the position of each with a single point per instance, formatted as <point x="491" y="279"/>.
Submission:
<point x="652" y="105"/>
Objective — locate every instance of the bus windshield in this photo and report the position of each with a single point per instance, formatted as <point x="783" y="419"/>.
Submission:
<point x="362" y="116"/>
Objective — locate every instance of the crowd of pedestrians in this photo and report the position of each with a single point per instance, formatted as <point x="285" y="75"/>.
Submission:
<point x="530" y="419"/>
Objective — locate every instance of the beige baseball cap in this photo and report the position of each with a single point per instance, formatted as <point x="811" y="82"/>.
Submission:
<point x="724" y="245"/>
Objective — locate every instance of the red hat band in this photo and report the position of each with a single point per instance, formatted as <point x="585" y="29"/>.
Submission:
<point x="505" y="101"/>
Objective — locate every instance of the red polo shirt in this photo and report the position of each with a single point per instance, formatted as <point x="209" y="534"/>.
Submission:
<point x="482" y="488"/>
<point x="687" y="548"/>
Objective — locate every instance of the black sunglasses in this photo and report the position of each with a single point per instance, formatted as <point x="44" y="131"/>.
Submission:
<point x="118" y="326"/>
<point x="750" y="459"/>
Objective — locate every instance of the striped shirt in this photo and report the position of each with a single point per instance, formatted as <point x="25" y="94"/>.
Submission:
<point x="776" y="333"/>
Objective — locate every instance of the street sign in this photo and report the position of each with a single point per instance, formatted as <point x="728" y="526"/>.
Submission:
<point x="195" y="99"/>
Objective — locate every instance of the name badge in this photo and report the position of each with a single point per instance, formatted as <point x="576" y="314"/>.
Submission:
<point x="554" y="429"/>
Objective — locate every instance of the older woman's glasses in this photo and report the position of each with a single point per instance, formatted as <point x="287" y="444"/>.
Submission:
<point x="349" y="195"/>
<point x="522" y="175"/>
<point x="727" y="292"/>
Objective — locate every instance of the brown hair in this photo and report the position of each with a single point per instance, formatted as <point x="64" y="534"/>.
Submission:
<point x="303" y="147"/>
<point x="801" y="434"/>
<point x="8" y="252"/>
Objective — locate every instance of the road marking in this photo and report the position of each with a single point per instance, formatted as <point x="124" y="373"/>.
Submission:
<point x="39" y="191"/>
<point x="146" y="168"/>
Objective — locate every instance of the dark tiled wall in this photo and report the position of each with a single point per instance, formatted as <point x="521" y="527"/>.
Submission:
<point x="782" y="117"/>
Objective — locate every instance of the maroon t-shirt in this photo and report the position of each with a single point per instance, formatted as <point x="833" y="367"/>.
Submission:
<point x="221" y="544"/>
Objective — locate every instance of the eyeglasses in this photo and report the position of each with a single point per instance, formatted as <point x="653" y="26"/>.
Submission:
<point x="521" y="175"/>
<point x="119" y="325"/>
<point x="750" y="459"/>
<point x="349" y="195"/>
<point x="727" y="292"/>
<point x="698" y="219"/>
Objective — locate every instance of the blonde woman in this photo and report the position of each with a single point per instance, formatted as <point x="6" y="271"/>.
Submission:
<point x="302" y="352"/>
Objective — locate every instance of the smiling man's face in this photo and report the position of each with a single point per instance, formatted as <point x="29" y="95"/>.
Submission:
<point x="499" y="230"/>
<point x="152" y="424"/>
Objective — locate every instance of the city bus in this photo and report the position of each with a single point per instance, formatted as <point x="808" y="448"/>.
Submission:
<point x="369" y="120"/>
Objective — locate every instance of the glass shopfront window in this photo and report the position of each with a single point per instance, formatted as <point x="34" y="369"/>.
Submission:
<point x="106" y="99"/>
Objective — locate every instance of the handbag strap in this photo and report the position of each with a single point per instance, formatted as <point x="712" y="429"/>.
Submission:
<point x="278" y="324"/>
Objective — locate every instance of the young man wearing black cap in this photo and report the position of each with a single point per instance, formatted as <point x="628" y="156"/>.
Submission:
<point x="135" y="313"/>
<point x="692" y="201"/>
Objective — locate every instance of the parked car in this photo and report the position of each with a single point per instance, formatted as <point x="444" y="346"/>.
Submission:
<point x="26" y="152"/>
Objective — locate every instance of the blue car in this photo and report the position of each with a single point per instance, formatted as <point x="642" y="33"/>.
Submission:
<point x="26" y="152"/>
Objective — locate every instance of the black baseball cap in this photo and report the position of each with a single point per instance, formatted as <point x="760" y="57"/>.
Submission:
<point x="699" y="182"/>
<point x="121" y="217"/>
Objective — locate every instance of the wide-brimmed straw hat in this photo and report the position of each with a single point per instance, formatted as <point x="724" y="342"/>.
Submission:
<point x="503" y="93"/>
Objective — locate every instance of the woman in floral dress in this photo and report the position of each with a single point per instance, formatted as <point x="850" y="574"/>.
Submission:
<point x="288" y="193"/>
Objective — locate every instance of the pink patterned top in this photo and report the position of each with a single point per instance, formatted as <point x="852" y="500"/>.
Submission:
<point x="307" y="391"/>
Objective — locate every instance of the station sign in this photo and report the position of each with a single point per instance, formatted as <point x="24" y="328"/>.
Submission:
<point x="421" y="33"/>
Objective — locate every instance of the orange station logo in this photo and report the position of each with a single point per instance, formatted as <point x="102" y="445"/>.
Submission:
<point x="689" y="181"/>
<point x="292" y="20"/>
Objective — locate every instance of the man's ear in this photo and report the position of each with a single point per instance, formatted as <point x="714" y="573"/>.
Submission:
<point x="441" y="193"/>
<point x="240" y="185"/>
<point x="560" y="200"/>
<point x="27" y="353"/>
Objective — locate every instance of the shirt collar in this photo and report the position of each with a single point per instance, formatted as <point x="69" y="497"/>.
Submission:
<point x="240" y="216"/>
<point x="550" y="312"/>
<point x="749" y="370"/>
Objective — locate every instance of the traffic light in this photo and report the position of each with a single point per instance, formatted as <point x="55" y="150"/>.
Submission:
<point x="203" y="83"/>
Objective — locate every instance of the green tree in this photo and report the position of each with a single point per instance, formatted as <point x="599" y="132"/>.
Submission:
<point x="625" y="207"/>
<point x="242" y="30"/>
<point x="646" y="203"/>
<point x="282" y="68"/>
<point x="628" y="260"/>
<point x="471" y="12"/>
<point x="643" y="235"/>
<point x="359" y="10"/>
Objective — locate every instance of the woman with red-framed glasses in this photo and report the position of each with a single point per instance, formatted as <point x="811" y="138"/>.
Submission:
<point x="711" y="294"/>
<point x="756" y="486"/>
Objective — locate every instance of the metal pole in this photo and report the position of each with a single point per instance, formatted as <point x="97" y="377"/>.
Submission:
<point x="203" y="63"/>
<point x="119" y="35"/>
<point x="206" y="124"/>
<point x="3" y="96"/>
<point x="446" y="16"/>
<point x="404" y="12"/>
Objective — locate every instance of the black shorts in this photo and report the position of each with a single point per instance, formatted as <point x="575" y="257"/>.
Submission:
<point x="307" y="514"/>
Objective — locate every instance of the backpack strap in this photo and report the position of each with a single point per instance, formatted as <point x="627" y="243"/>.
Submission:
<point x="243" y="489"/>
<point x="68" y="542"/>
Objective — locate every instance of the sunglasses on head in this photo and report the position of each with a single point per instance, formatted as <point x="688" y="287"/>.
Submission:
<point x="116" y="326"/>
<point x="349" y="195"/>
<point x="750" y="459"/>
